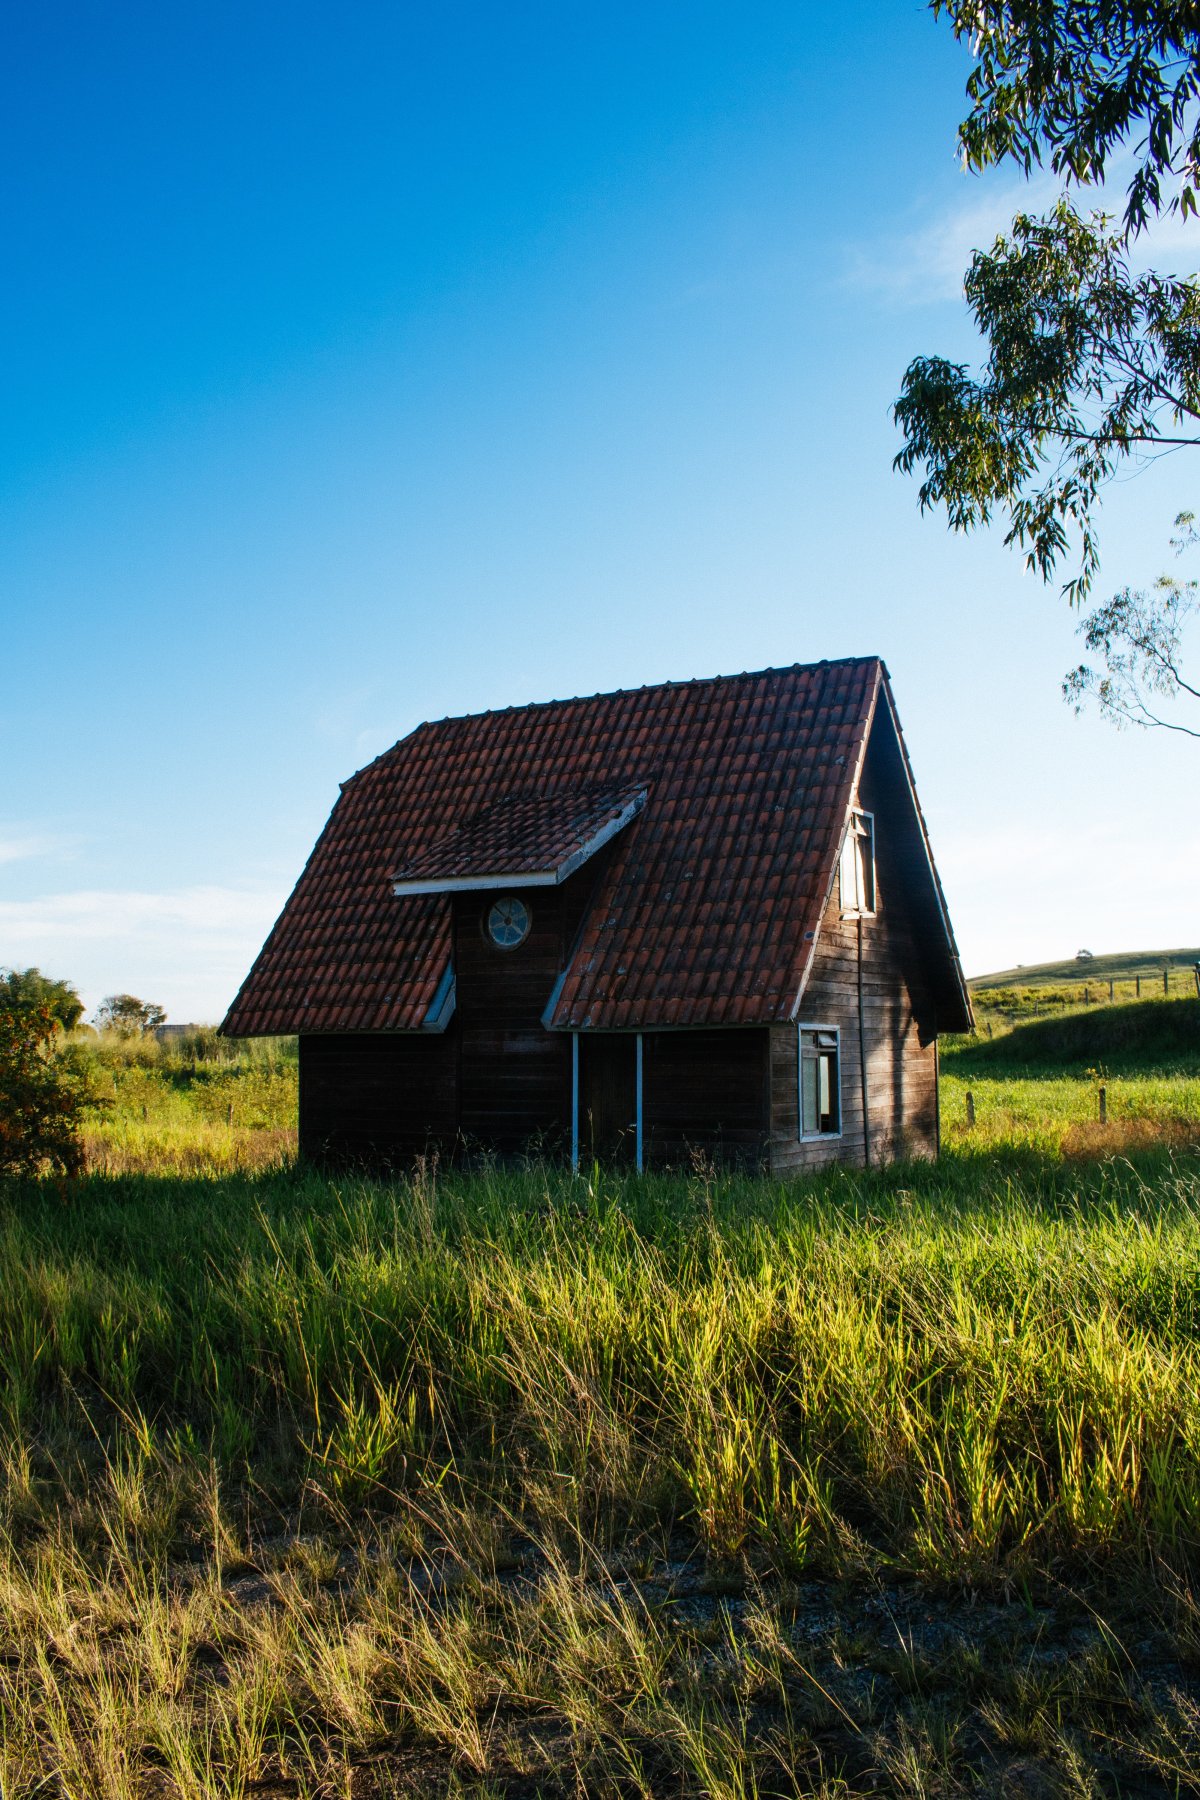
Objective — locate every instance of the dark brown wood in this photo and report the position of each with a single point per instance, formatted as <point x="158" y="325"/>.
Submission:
<point x="379" y="1100"/>
<point x="608" y="1097"/>
<point x="514" y="1087"/>
<point x="706" y="1093"/>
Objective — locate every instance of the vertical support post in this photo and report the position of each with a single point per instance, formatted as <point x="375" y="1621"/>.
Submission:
<point x="574" y="1102"/>
<point x="1104" y="1106"/>
<point x="1110" y="987"/>
<point x="638" y="1115"/>
<point x="1196" y="973"/>
<point x="970" y="1108"/>
<point x="1166" y="981"/>
<point x="1137" y="987"/>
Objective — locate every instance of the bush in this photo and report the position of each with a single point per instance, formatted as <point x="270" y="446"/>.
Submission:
<point x="30" y="988"/>
<point x="42" y="1096"/>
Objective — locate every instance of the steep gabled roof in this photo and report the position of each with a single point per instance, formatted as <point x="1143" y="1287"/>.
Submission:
<point x="706" y="905"/>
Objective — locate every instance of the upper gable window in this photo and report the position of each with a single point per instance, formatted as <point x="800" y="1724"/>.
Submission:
<point x="858" y="865"/>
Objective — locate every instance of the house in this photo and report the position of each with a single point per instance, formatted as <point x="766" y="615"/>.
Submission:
<point x="701" y="918"/>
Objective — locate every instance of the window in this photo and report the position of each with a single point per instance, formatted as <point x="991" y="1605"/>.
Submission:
<point x="508" y="922"/>
<point x="820" y="1082"/>
<point x="858" y="864"/>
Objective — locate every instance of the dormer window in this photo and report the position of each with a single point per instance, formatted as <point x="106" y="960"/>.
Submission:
<point x="858" y="866"/>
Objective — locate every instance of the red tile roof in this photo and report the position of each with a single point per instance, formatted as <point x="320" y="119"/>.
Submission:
<point x="705" y="911"/>
<point x="534" y="834"/>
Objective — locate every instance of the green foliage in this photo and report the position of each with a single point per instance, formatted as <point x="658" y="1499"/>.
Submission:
<point x="1086" y="366"/>
<point x="128" y="1016"/>
<point x="1074" y="81"/>
<point x="1139" y="639"/>
<point x="41" y="1096"/>
<point x="708" y="1485"/>
<point x="30" y="988"/>
<point x="964" y="1368"/>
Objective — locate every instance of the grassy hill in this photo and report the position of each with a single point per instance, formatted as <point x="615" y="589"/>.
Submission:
<point x="1123" y="966"/>
<point x="1155" y="1035"/>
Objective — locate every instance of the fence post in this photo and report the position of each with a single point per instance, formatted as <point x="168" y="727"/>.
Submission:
<point x="1166" y="980"/>
<point x="970" y="1108"/>
<point x="1111" y="995"/>
<point x="1104" y="1106"/>
<point x="1137" y="987"/>
<point x="1196" y="973"/>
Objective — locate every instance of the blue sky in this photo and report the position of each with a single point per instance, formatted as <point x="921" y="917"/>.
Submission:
<point x="375" y="364"/>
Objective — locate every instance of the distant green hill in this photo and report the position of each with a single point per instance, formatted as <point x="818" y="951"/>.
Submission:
<point x="1126" y="965"/>
<point x="1159" y="1035"/>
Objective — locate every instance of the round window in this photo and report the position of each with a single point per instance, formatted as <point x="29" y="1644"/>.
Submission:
<point x="508" y="922"/>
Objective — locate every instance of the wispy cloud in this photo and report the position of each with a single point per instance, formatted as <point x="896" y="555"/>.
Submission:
<point x="188" y="948"/>
<point x="926" y="263"/>
<point x="101" y="913"/>
<point x="25" y="846"/>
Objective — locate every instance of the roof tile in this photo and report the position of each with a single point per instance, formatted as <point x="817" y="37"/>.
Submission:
<point x="749" y="778"/>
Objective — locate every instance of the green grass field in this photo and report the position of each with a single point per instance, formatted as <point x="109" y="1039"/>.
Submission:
<point x="1043" y="989"/>
<point x="508" y="1483"/>
<point x="1123" y="966"/>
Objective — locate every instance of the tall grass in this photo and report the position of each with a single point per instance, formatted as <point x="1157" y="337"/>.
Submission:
<point x="512" y="1482"/>
<point x="951" y="1370"/>
<point x="191" y="1104"/>
<point x="296" y="1474"/>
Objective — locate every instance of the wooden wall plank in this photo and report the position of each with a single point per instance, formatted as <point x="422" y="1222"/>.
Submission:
<point x="380" y="1100"/>
<point x="897" y="1015"/>
<point x="706" y="1092"/>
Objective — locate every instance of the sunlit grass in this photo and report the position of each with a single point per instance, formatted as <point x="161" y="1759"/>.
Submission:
<point x="272" y="1451"/>
<point x="191" y="1106"/>
<point x="513" y="1482"/>
<point x="1060" y="1114"/>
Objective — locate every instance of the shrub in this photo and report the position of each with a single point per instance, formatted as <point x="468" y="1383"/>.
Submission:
<point x="30" y="988"/>
<point x="42" y="1096"/>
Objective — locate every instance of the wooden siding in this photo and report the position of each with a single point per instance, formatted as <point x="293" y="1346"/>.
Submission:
<point x="380" y="1099"/>
<point x="705" y="1092"/>
<point x="608" y="1097"/>
<point x="515" y="1079"/>
<point x="897" y="1014"/>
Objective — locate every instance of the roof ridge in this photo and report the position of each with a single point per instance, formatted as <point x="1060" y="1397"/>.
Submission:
<point x="647" y="687"/>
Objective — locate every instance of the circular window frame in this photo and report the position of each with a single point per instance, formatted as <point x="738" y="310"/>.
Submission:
<point x="486" y="921"/>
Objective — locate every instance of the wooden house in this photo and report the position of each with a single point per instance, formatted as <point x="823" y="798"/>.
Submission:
<point x="695" y="918"/>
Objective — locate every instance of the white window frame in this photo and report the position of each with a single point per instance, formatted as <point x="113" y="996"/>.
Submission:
<point x="817" y="1137"/>
<point x="858" y="912"/>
